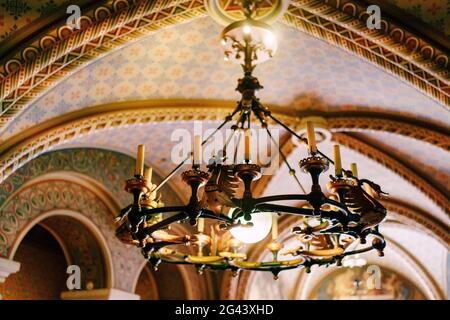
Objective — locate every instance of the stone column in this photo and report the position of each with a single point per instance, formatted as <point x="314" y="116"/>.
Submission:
<point x="7" y="267"/>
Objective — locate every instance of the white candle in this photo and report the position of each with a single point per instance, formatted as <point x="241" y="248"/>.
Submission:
<point x="354" y="169"/>
<point x="139" y="170"/>
<point x="197" y="153"/>
<point x="213" y="242"/>
<point x="337" y="160"/>
<point x="247" y="145"/>
<point x="369" y="190"/>
<point x="148" y="175"/>
<point x="201" y="225"/>
<point x="311" y="137"/>
<point x="274" y="226"/>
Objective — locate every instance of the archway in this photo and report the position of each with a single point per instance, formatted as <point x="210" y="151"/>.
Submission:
<point x="43" y="268"/>
<point x="166" y="283"/>
<point x="354" y="284"/>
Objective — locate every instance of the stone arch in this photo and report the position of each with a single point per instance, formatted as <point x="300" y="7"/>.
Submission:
<point x="107" y="168"/>
<point x="60" y="195"/>
<point x="76" y="223"/>
<point x="43" y="261"/>
<point x="145" y="285"/>
<point x="17" y="151"/>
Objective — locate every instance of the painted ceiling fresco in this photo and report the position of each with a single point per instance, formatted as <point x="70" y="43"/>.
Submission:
<point x="421" y="156"/>
<point x="435" y="13"/>
<point x="186" y="63"/>
<point x="423" y="248"/>
<point x="16" y="14"/>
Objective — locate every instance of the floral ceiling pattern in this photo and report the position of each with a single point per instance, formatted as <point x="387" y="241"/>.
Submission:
<point x="187" y="63"/>
<point x="432" y="12"/>
<point x="107" y="167"/>
<point x="421" y="156"/>
<point x="16" y="14"/>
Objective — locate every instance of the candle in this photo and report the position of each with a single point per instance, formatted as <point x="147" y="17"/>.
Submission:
<point x="274" y="226"/>
<point x="197" y="154"/>
<point x="213" y="242"/>
<point x="201" y="225"/>
<point x="311" y="137"/>
<point x="139" y="170"/>
<point x="148" y="175"/>
<point x="247" y="145"/>
<point x="354" y="169"/>
<point x="337" y="160"/>
<point x="369" y="190"/>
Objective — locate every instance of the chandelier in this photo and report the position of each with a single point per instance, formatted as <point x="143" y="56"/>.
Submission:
<point x="333" y="224"/>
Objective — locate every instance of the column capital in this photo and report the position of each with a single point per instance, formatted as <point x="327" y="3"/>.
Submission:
<point x="7" y="267"/>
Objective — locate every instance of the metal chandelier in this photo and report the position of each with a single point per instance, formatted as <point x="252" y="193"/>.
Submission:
<point x="341" y="222"/>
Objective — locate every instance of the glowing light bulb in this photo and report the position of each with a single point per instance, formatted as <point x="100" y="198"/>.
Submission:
<point x="262" y="224"/>
<point x="270" y="38"/>
<point x="247" y="29"/>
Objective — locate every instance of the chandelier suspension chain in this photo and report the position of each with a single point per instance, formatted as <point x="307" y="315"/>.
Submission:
<point x="175" y="170"/>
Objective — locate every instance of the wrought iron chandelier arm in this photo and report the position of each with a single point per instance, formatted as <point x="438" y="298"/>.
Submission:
<point x="357" y="251"/>
<point x="291" y="171"/>
<point x="123" y="213"/>
<point x="304" y="140"/>
<point x="175" y="170"/>
<point x="341" y="207"/>
<point x="211" y="215"/>
<point x="181" y="216"/>
<point x="284" y="209"/>
<point x="147" y="212"/>
<point x="281" y="197"/>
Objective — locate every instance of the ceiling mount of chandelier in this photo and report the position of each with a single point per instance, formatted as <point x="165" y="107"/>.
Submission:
<point x="332" y="224"/>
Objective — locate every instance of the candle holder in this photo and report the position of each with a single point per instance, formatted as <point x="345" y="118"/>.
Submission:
<point x="340" y="186"/>
<point x="314" y="165"/>
<point x="247" y="173"/>
<point x="137" y="186"/>
<point x="275" y="248"/>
